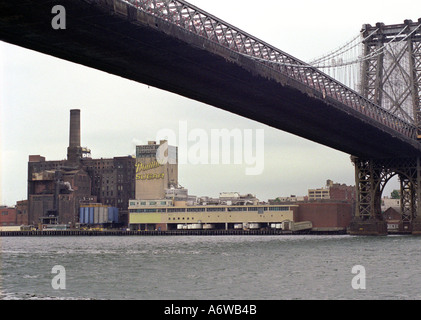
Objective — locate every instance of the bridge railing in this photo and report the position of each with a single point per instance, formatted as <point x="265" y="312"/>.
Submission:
<point x="203" y="24"/>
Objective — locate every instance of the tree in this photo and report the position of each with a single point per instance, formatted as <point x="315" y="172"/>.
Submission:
<point x="395" y="194"/>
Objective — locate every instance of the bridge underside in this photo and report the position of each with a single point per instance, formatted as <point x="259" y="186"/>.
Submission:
<point x="105" y="35"/>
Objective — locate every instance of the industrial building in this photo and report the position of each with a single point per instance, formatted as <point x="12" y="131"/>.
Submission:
<point x="166" y="215"/>
<point x="332" y="216"/>
<point x="57" y="189"/>
<point x="156" y="170"/>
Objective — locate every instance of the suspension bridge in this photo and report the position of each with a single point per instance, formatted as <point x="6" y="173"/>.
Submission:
<point x="362" y="98"/>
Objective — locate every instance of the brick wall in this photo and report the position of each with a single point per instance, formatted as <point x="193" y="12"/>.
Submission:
<point x="325" y="215"/>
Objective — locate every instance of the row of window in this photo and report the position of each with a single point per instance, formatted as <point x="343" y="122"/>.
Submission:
<point x="216" y="209"/>
<point x="151" y="203"/>
<point x="192" y="218"/>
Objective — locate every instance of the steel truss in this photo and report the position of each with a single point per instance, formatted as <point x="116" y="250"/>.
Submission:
<point x="391" y="70"/>
<point x="372" y="175"/>
<point x="194" y="20"/>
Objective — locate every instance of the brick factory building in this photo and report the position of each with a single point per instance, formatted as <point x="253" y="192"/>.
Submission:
<point x="56" y="189"/>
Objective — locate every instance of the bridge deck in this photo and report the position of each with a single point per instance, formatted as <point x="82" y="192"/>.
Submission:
<point x="154" y="52"/>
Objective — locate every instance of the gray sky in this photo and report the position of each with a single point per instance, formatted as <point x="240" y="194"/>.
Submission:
<point x="37" y="92"/>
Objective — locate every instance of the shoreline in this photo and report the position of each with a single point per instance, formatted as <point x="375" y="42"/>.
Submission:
<point x="165" y="233"/>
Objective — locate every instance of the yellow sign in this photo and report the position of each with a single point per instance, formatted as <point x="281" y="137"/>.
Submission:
<point x="150" y="176"/>
<point x="145" y="167"/>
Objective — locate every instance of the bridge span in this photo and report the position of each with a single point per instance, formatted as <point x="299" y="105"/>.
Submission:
<point x="116" y="37"/>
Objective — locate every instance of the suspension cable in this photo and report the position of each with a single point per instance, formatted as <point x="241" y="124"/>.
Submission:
<point x="324" y="58"/>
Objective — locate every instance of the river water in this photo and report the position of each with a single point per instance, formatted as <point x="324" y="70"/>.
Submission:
<point x="210" y="267"/>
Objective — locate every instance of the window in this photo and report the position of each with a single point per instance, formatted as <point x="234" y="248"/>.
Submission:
<point x="215" y="209"/>
<point x="177" y="210"/>
<point x="278" y="208"/>
<point x="145" y="210"/>
<point x="195" y="209"/>
<point x="237" y="209"/>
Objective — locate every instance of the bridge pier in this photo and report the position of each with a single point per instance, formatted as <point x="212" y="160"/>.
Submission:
<point x="371" y="176"/>
<point x="370" y="227"/>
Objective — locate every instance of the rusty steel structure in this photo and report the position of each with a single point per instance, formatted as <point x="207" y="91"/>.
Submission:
<point x="391" y="78"/>
<point x="371" y="176"/>
<point x="392" y="68"/>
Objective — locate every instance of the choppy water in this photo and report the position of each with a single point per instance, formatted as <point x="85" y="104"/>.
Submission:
<point x="210" y="267"/>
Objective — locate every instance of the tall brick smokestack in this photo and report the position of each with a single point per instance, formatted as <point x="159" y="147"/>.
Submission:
<point x="74" y="137"/>
<point x="74" y="151"/>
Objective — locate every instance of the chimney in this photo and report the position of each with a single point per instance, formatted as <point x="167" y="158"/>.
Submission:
<point x="74" y="138"/>
<point x="74" y="151"/>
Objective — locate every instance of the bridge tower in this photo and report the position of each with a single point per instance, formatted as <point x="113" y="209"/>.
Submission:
<point x="391" y="78"/>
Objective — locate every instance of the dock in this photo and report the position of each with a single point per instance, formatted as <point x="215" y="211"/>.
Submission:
<point x="217" y="232"/>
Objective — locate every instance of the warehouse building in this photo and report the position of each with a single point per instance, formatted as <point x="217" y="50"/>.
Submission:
<point x="166" y="215"/>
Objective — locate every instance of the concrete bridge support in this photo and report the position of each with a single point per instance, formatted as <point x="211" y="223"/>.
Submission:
<point x="371" y="176"/>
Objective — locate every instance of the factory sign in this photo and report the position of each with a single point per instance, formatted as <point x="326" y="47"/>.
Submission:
<point x="142" y="167"/>
<point x="145" y="167"/>
<point x="150" y="176"/>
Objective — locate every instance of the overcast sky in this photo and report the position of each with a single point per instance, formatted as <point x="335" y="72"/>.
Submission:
<point x="37" y="92"/>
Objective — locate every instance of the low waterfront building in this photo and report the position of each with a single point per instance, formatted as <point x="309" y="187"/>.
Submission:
<point x="7" y="216"/>
<point x="179" y="215"/>
<point x="393" y="217"/>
